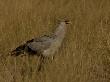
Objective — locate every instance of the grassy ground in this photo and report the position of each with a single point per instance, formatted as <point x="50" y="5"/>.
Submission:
<point x="85" y="53"/>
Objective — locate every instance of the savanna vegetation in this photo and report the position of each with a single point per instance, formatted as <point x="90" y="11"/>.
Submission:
<point x="85" y="52"/>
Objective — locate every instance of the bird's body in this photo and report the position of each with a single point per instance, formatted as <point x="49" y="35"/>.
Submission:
<point x="45" y="45"/>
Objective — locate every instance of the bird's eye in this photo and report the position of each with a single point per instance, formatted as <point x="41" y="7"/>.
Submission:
<point x="66" y="21"/>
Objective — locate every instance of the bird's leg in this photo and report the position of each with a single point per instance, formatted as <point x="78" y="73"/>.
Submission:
<point x="50" y="59"/>
<point x="41" y="62"/>
<point x="53" y="57"/>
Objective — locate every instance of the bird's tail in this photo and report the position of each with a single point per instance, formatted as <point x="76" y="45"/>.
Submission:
<point x="19" y="50"/>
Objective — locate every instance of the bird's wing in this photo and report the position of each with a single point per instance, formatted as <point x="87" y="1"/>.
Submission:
<point x="39" y="46"/>
<point x="41" y="43"/>
<point x="44" y="38"/>
<point x="35" y="44"/>
<point x="41" y="39"/>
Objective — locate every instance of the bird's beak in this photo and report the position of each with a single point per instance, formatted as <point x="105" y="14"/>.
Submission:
<point x="68" y="22"/>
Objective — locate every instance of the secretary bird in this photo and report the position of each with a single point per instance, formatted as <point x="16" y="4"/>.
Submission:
<point x="44" y="46"/>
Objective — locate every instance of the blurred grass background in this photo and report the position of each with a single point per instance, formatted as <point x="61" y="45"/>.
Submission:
<point x="85" y="52"/>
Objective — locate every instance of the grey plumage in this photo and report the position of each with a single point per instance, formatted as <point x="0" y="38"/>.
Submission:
<point x="33" y="46"/>
<point x="45" y="45"/>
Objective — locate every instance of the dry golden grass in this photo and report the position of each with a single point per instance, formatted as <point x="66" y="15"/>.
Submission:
<point x="85" y="53"/>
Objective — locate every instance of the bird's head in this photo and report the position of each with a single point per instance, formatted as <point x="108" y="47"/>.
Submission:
<point x="62" y="27"/>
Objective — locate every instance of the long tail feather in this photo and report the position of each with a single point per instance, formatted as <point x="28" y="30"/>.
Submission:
<point x="19" y="50"/>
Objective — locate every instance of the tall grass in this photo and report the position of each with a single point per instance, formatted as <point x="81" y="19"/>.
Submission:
<point x="85" y="53"/>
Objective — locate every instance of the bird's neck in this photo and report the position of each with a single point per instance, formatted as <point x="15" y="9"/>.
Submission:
<point x="60" y="30"/>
